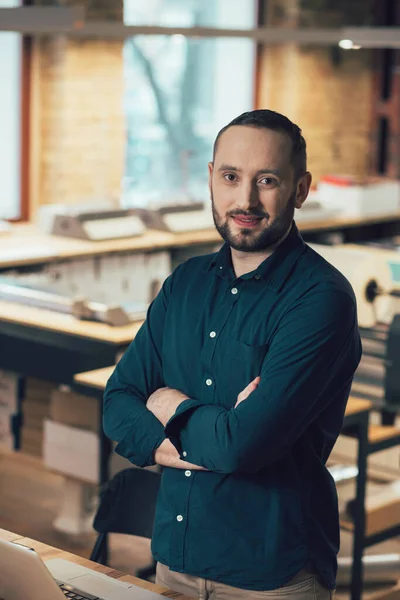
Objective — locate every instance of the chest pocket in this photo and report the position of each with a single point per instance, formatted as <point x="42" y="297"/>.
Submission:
<point x="242" y="363"/>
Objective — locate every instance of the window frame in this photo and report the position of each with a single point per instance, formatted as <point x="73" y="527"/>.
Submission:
<point x="23" y="212"/>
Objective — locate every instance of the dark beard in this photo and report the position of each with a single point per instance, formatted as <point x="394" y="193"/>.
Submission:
<point x="248" y="240"/>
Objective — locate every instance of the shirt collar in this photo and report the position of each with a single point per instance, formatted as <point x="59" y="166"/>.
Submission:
<point x="274" y="270"/>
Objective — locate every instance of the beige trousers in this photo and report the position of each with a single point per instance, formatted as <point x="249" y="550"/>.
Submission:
<point x="304" y="586"/>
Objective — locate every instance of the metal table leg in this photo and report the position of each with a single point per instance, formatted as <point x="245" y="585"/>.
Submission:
<point x="105" y="449"/>
<point x="359" y="517"/>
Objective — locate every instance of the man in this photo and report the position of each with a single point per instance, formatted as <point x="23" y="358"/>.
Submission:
<point x="237" y="385"/>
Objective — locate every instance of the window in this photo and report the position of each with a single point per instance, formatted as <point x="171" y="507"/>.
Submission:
<point x="179" y="93"/>
<point x="10" y="113"/>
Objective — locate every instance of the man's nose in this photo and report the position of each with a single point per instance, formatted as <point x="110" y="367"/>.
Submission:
<point x="247" y="197"/>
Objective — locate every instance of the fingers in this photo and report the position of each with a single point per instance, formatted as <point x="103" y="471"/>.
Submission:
<point x="251" y="387"/>
<point x="244" y="394"/>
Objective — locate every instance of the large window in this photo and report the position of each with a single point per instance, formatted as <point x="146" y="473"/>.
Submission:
<point x="10" y="119"/>
<point x="179" y="93"/>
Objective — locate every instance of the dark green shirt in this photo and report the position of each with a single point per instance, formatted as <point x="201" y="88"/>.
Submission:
<point x="268" y="506"/>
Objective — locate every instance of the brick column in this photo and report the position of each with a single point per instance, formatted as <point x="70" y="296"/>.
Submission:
<point x="328" y="94"/>
<point x="385" y="125"/>
<point x="81" y="120"/>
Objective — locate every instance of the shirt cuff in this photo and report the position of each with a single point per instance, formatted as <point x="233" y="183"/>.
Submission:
<point x="178" y="421"/>
<point x="142" y="456"/>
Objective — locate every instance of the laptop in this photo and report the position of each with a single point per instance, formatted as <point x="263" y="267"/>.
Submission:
<point x="23" y="576"/>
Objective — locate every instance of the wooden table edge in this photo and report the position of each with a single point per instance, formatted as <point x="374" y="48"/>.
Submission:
<point x="47" y="552"/>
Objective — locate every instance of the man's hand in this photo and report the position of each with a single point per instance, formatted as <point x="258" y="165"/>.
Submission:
<point x="247" y="391"/>
<point x="164" y="402"/>
<point x="167" y="455"/>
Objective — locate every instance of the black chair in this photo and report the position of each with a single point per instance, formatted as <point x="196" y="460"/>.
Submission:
<point x="127" y="505"/>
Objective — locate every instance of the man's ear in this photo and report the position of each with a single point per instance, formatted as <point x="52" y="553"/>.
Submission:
<point x="210" y="172"/>
<point x="303" y="188"/>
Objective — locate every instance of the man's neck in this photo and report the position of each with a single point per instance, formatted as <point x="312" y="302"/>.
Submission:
<point x="246" y="262"/>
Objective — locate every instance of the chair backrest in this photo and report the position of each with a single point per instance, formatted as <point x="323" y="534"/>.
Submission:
<point x="128" y="503"/>
<point x="392" y="363"/>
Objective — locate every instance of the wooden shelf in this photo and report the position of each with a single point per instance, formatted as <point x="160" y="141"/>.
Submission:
<point x="357" y="405"/>
<point x="27" y="245"/>
<point x="96" y="379"/>
<point x="346" y="524"/>
<point x="382" y="511"/>
<point x="380" y="433"/>
<point x="61" y="323"/>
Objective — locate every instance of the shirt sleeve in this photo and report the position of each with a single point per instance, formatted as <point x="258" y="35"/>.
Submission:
<point x="315" y="349"/>
<point x="138" y="374"/>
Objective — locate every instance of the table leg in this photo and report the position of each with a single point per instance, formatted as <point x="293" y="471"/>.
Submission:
<point x="105" y="449"/>
<point x="359" y="517"/>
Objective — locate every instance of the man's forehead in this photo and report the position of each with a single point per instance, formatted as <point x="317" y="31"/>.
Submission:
<point x="252" y="143"/>
<point x="241" y="135"/>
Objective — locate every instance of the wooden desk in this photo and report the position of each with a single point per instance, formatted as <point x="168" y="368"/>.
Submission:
<point x="48" y="552"/>
<point x="54" y="346"/>
<point x="43" y="319"/>
<point x="95" y="380"/>
<point x="27" y="246"/>
<point x="356" y="406"/>
<point x="9" y="536"/>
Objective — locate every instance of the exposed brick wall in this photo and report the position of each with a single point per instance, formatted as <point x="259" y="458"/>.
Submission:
<point x="329" y="95"/>
<point x="82" y="145"/>
<point x="387" y="96"/>
<point x="81" y="113"/>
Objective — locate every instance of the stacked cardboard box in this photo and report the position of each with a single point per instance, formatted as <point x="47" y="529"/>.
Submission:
<point x="35" y="409"/>
<point x="9" y="406"/>
<point x="6" y="435"/>
<point x="75" y="410"/>
<point x="71" y="441"/>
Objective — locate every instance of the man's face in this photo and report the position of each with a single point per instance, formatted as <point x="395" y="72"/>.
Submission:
<point x="253" y="188"/>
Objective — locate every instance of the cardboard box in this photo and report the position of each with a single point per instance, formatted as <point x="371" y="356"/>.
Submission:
<point x="382" y="509"/>
<point x="75" y="410"/>
<point x="5" y="422"/>
<point x="71" y="451"/>
<point x="371" y="198"/>
<point x="35" y="409"/>
<point x="9" y="391"/>
<point x="6" y="442"/>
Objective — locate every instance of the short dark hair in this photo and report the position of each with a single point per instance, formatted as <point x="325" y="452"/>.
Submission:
<point x="270" y="119"/>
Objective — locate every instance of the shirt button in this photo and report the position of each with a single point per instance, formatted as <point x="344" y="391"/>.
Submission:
<point x="188" y="473"/>
<point x="179" y="518"/>
<point x="257" y="277"/>
<point x="212" y="334"/>
<point x="184" y="453"/>
<point x="234" y="291"/>
<point x="208" y="381"/>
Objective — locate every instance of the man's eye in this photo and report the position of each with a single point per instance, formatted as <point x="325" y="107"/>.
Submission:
<point x="229" y="177"/>
<point x="267" y="181"/>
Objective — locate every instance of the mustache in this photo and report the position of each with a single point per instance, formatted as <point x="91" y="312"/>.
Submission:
<point x="243" y="213"/>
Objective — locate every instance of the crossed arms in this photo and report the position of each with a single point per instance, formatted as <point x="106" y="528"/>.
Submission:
<point x="163" y="404"/>
<point x="315" y="350"/>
